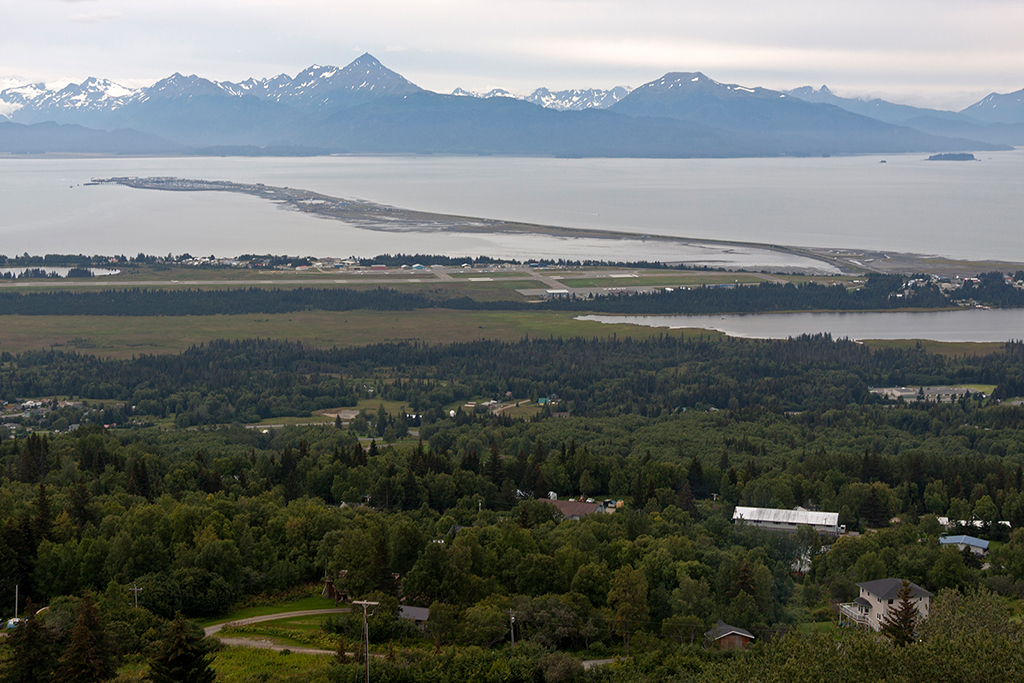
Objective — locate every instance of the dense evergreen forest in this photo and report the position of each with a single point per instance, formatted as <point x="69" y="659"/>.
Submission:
<point x="445" y="510"/>
<point x="882" y="292"/>
<point x="245" y="381"/>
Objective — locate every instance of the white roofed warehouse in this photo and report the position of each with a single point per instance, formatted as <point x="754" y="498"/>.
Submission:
<point x="788" y="520"/>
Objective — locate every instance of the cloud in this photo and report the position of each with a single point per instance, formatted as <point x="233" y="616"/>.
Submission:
<point x="97" y="17"/>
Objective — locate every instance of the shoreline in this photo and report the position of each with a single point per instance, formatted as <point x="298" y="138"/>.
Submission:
<point x="371" y="216"/>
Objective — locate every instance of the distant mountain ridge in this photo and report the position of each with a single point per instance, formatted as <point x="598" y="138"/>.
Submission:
<point x="875" y="108"/>
<point x="365" y="107"/>
<point x="793" y="124"/>
<point x="560" y="100"/>
<point x="997" y="119"/>
<point x="49" y="137"/>
<point x="996" y="108"/>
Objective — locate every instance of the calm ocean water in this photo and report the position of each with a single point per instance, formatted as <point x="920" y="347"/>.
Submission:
<point x="973" y="325"/>
<point x="955" y="209"/>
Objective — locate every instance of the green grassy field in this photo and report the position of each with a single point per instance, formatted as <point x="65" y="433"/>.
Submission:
<point x="246" y="665"/>
<point x="127" y="336"/>
<point x="525" y="411"/>
<point x="941" y="348"/>
<point x="498" y="274"/>
<point x="983" y="388"/>
<point x="288" y="631"/>
<point x="289" y="421"/>
<point x="817" y="627"/>
<point x="302" y="604"/>
<point x="666" y="279"/>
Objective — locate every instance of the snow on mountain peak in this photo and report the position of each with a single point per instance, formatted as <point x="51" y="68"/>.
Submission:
<point x="561" y="100"/>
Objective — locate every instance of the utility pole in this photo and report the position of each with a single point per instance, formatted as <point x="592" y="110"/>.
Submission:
<point x="366" y="631"/>
<point x="512" y="626"/>
<point x="135" y="589"/>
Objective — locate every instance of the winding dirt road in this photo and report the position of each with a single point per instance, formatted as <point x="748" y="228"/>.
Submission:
<point x="263" y="643"/>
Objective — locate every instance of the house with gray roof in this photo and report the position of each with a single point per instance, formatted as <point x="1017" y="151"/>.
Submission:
<point x="875" y="600"/>
<point x="420" y="615"/>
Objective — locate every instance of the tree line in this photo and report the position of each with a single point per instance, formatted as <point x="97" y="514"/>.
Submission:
<point x="250" y="380"/>
<point x="880" y="293"/>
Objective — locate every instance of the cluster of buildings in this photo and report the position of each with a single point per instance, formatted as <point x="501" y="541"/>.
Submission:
<point x="31" y="414"/>
<point x="578" y="508"/>
<point x="930" y="394"/>
<point x="875" y="600"/>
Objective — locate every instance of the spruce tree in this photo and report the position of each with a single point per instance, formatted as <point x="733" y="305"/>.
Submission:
<point x="89" y="657"/>
<point x="183" y="656"/>
<point x="900" y="623"/>
<point x="32" y="650"/>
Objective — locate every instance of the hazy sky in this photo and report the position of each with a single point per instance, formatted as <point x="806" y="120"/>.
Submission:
<point x="946" y="53"/>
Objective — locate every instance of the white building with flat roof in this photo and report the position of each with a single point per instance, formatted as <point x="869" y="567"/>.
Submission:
<point x="788" y="520"/>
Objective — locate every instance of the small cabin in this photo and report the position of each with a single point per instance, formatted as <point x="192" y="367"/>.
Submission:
<point x="726" y="637"/>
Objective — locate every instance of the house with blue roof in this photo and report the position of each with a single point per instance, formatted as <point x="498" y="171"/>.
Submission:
<point x="963" y="542"/>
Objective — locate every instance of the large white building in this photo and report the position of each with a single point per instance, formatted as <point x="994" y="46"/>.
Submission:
<point x="789" y="520"/>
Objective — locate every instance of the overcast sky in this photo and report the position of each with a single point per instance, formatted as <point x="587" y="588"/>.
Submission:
<point x="945" y="53"/>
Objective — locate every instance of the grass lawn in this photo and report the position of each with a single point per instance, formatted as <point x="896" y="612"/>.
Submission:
<point x="372" y="405"/>
<point x="817" y="627"/>
<point x="525" y="411"/>
<point x="983" y="388"/>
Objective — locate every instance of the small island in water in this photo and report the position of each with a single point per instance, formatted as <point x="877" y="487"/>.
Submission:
<point x="953" y="156"/>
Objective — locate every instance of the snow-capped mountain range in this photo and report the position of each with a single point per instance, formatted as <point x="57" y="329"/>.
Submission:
<point x="316" y="88"/>
<point x="562" y="100"/>
<point x="366" y="107"/>
<point x="325" y="88"/>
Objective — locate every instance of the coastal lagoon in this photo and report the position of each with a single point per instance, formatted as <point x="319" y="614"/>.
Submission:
<point x="966" y="210"/>
<point x="970" y="325"/>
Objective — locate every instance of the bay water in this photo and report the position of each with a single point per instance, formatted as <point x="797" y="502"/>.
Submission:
<point x="967" y="210"/>
<point x="968" y="325"/>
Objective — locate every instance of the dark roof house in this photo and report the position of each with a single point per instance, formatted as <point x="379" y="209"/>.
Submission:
<point x="876" y="599"/>
<point x="728" y="637"/>
<point x="418" y="615"/>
